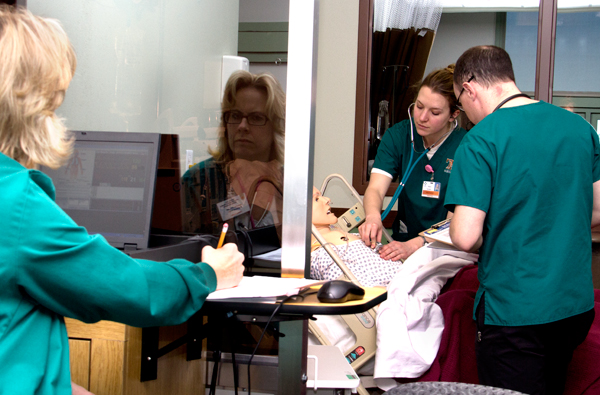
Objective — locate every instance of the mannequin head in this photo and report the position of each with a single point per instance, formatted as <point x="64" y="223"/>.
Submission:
<point x="321" y="212"/>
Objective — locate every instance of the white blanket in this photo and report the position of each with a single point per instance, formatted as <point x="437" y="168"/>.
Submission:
<point x="409" y="323"/>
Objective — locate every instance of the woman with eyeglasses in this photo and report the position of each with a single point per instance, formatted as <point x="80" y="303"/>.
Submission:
<point x="50" y="267"/>
<point x="434" y="117"/>
<point x="242" y="183"/>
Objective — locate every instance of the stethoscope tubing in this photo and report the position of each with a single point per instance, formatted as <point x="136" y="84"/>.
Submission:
<point x="409" y="170"/>
<point x="404" y="180"/>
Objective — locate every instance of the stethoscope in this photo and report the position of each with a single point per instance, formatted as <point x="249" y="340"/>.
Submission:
<point x="412" y="165"/>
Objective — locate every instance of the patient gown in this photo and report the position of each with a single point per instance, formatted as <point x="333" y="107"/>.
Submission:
<point x="366" y="265"/>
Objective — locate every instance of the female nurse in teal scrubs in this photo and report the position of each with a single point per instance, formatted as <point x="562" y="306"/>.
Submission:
<point x="434" y="126"/>
<point x="50" y="267"/>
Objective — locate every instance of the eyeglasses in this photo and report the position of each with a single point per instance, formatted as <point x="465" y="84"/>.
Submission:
<point x="254" y="118"/>
<point x="460" y="107"/>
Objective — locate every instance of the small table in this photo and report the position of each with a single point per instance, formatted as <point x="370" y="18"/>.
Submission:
<point x="292" y="369"/>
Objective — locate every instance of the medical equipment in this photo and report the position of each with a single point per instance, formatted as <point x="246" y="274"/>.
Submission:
<point x="383" y="119"/>
<point x="362" y="324"/>
<point x="362" y="350"/>
<point x="355" y="215"/>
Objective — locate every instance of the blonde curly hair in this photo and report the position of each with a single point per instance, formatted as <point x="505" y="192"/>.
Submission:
<point x="38" y="63"/>
<point x="275" y="111"/>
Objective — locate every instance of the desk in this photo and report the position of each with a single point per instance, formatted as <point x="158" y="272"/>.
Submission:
<point x="304" y="305"/>
<point x="293" y="317"/>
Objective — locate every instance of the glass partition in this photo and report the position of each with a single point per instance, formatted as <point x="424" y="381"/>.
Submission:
<point x="462" y="25"/>
<point x="158" y="66"/>
<point x="513" y="25"/>
<point x="576" y="78"/>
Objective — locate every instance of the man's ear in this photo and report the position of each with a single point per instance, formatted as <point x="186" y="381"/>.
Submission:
<point x="469" y="90"/>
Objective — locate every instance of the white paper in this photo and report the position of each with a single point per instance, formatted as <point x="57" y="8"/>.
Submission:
<point x="264" y="287"/>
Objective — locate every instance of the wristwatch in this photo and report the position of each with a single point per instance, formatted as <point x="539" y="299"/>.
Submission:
<point x="425" y="242"/>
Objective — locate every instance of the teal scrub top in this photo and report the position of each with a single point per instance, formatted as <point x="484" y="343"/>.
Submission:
<point x="531" y="169"/>
<point x="51" y="268"/>
<point x="204" y="185"/>
<point x="393" y="155"/>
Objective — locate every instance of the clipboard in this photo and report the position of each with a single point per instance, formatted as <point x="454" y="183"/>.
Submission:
<point x="439" y="232"/>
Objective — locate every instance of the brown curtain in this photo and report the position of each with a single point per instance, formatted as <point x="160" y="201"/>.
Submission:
<point x="400" y="56"/>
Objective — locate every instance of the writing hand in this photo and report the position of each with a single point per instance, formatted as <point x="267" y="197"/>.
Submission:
<point x="227" y="262"/>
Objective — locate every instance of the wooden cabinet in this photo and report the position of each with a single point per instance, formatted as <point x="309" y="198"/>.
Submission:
<point x="106" y="360"/>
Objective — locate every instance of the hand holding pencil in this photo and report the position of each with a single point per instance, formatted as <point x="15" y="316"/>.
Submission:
<point x="223" y="233"/>
<point x="226" y="261"/>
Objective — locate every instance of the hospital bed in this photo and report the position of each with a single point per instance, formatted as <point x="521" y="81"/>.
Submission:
<point x="401" y="319"/>
<point x="359" y="348"/>
<point x="455" y="359"/>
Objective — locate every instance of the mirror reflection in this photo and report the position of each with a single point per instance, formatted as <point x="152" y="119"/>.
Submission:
<point x="242" y="182"/>
<point x="162" y="67"/>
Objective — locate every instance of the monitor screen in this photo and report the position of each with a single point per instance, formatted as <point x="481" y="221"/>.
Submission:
<point x="107" y="186"/>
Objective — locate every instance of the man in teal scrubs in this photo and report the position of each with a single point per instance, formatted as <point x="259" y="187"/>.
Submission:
<point x="51" y="268"/>
<point x="525" y="191"/>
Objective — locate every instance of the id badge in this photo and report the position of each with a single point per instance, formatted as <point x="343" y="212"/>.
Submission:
<point x="431" y="189"/>
<point x="233" y="207"/>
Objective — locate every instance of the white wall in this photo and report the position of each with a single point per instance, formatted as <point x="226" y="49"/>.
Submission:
<point x="264" y="10"/>
<point x="457" y="33"/>
<point x="267" y="11"/>
<point x="336" y="92"/>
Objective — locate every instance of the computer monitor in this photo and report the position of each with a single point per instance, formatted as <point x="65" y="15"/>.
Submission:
<point x="108" y="185"/>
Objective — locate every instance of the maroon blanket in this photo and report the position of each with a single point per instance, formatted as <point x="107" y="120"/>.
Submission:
<point x="456" y="357"/>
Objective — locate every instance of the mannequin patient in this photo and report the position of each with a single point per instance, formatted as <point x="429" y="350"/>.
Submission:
<point x="366" y="264"/>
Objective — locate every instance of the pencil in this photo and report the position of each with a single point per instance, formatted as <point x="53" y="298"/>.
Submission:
<point x="222" y="238"/>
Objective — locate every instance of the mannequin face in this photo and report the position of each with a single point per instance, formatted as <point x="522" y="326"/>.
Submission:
<point x="321" y="212"/>
<point x="247" y="141"/>
<point x="431" y="114"/>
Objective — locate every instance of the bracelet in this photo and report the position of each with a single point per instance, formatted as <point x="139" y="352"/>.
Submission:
<point x="425" y="242"/>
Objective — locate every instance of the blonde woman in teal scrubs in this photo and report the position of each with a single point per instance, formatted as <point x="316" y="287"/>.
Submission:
<point x="51" y="268"/>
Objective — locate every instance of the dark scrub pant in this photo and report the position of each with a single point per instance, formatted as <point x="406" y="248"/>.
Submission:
<point x="532" y="359"/>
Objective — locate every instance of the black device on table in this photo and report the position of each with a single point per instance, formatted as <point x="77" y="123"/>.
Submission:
<point x="339" y="291"/>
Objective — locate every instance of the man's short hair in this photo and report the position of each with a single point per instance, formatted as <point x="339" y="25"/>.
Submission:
<point x="487" y="63"/>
